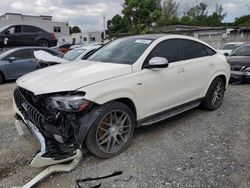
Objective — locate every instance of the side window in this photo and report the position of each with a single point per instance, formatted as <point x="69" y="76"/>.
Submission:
<point x="209" y="50"/>
<point x="191" y="49"/>
<point x="168" y="49"/>
<point x="51" y="52"/>
<point x="22" y="54"/>
<point x="30" y="29"/>
<point x="14" y="29"/>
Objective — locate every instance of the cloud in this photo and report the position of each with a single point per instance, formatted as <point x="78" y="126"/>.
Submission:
<point x="88" y="14"/>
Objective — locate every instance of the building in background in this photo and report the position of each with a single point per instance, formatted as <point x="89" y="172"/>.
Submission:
<point x="215" y="36"/>
<point x="83" y="38"/>
<point x="45" y="22"/>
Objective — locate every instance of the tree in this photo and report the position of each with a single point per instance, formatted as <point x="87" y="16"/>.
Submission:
<point x="170" y="9"/>
<point x="242" y="21"/>
<point x="74" y="29"/>
<point x="198" y="11"/>
<point x="141" y="15"/>
<point x="117" y="25"/>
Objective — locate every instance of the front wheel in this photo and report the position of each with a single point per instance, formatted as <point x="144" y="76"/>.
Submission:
<point x="112" y="132"/>
<point x="1" y="78"/>
<point x="214" y="96"/>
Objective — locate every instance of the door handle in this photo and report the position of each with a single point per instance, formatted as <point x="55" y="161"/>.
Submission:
<point x="211" y="64"/>
<point x="180" y="70"/>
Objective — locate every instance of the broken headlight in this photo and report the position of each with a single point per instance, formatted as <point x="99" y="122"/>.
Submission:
<point x="74" y="103"/>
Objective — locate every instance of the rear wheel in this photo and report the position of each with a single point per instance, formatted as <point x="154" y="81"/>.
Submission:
<point x="111" y="133"/>
<point x="214" y="96"/>
<point x="1" y="78"/>
<point x="43" y="43"/>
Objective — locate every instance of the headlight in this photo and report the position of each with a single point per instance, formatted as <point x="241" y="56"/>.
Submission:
<point x="74" y="103"/>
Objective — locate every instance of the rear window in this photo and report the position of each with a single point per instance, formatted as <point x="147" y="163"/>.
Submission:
<point x="31" y="29"/>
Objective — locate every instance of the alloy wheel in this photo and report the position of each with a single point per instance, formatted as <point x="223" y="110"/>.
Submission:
<point x="113" y="131"/>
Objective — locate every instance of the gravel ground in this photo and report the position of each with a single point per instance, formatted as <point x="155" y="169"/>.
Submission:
<point x="195" y="149"/>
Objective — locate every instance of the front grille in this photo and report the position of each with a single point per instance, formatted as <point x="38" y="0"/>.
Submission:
<point x="27" y="109"/>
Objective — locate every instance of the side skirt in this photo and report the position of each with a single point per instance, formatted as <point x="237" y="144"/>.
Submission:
<point x="155" y="118"/>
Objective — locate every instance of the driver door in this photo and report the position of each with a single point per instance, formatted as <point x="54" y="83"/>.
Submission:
<point x="11" y="36"/>
<point x="163" y="86"/>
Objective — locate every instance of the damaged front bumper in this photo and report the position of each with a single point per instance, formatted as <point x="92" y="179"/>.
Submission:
<point x="48" y="153"/>
<point x="39" y="160"/>
<point x="241" y="76"/>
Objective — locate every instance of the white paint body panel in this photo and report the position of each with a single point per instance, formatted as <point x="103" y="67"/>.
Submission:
<point x="151" y="90"/>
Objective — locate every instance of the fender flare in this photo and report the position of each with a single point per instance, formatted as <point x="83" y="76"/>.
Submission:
<point x="88" y="119"/>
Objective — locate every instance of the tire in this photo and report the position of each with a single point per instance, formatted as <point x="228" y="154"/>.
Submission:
<point x="43" y="43"/>
<point x="112" y="131"/>
<point x="1" y="78"/>
<point x="214" y="95"/>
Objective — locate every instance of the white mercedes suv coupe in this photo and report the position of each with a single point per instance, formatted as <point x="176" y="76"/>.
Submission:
<point x="128" y="83"/>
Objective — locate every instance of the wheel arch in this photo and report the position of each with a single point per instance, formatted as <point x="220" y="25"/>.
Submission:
<point x="221" y="75"/>
<point x="1" y="72"/>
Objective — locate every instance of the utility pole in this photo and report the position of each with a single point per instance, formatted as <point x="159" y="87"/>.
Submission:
<point x="248" y="7"/>
<point x="104" y="27"/>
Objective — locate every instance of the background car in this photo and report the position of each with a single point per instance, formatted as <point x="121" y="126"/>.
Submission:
<point x="227" y="48"/>
<point x="64" y="48"/>
<point x="239" y="61"/>
<point x="26" y="35"/>
<point x="19" y="61"/>
<point x="72" y="55"/>
<point x="81" y="53"/>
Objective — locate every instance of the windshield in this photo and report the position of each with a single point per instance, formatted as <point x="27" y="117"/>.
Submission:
<point x="241" y="51"/>
<point x="3" y="28"/>
<point x="123" y="51"/>
<point x="230" y="46"/>
<point x="73" y="54"/>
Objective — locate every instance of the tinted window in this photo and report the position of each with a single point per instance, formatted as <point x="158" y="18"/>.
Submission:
<point x="65" y="46"/>
<point x="209" y="50"/>
<point x="22" y="54"/>
<point x="51" y="52"/>
<point x="191" y="49"/>
<point x="30" y="29"/>
<point x="241" y="51"/>
<point x="168" y="49"/>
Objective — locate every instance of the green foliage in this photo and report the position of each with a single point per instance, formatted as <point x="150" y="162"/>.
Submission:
<point x="138" y="17"/>
<point x="74" y="29"/>
<point x="142" y="16"/>
<point x="243" y="21"/>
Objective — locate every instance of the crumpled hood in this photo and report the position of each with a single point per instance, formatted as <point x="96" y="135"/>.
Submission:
<point x="239" y="60"/>
<point x="71" y="76"/>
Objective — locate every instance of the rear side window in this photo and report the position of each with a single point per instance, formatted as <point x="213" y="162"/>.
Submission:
<point x="168" y="49"/>
<point x="191" y="49"/>
<point x="22" y="54"/>
<point x="51" y="52"/>
<point x="30" y="29"/>
<point x="209" y="50"/>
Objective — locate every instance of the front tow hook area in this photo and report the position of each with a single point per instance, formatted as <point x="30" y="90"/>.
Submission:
<point x="54" y="169"/>
<point x="52" y="165"/>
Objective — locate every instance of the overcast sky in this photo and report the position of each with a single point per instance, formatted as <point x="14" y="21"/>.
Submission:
<point x="88" y="14"/>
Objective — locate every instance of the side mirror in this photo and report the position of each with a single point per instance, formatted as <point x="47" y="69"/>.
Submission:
<point x="157" y="62"/>
<point x="11" y="59"/>
<point x="226" y="54"/>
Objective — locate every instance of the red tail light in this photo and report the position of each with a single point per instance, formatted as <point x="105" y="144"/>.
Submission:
<point x="53" y="35"/>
